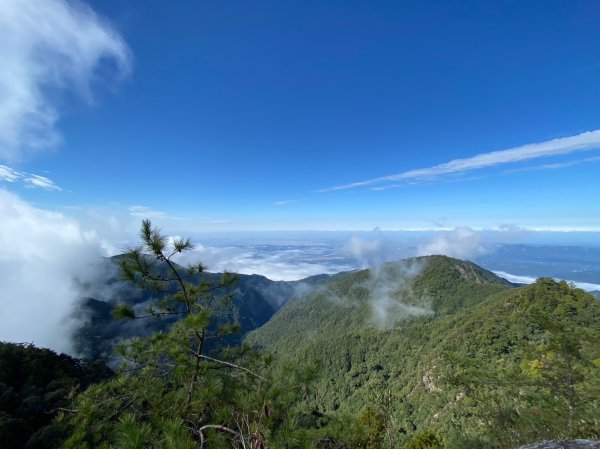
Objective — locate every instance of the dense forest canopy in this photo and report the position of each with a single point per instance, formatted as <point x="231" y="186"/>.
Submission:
<point x="35" y="384"/>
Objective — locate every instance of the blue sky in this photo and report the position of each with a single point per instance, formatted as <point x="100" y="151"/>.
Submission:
<point x="219" y="115"/>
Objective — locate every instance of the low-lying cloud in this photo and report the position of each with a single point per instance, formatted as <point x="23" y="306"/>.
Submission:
<point x="371" y="249"/>
<point x="461" y="243"/>
<point x="277" y="261"/>
<point x="42" y="255"/>
<point x="390" y="293"/>
<point x="517" y="279"/>
<point x="390" y="298"/>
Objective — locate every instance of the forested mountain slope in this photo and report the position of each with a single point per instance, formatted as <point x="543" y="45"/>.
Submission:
<point x="467" y="360"/>
<point x="380" y="299"/>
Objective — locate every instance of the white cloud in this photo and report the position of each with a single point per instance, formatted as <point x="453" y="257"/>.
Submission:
<point x="371" y="250"/>
<point x="554" y="166"/>
<point x="283" y="202"/>
<point x="461" y="243"/>
<point x="40" y="182"/>
<point x="30" y="180"/>
<point x="587" y="286"/>
<point x="581" y="142"/>
<point x="564" y="229"/>
<point x="42" y="253"/>
<point x="389" y="287"/>
<point x="146" y="212"/>
<point x="8" y="174"/>
<point x="48" y="47"/>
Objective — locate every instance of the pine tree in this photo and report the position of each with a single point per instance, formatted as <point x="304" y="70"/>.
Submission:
<point x="172" y="391"/>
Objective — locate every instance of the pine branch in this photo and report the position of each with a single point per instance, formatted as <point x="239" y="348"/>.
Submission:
<point x="135" y="397"/>
<point x="230" y="365"/>
<point x="220" y="427"/>
<point x="158" y="315"/>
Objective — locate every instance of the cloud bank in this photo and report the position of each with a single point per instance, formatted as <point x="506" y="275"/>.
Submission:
<point x="42" y="254"/>
<point x="278" y="261"/>
<point x="587" y="286"/>
<point x="49" y="47"/>
<point x="586" y="141"/>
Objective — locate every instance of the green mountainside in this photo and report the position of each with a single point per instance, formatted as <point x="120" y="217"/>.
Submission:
<point x="467" y="359"/>
<point x="376" y="300"/>
<point x="255" y="299"/>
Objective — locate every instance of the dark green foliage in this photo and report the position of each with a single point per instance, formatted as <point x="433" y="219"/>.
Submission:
<point x="374" y="429"/>
<point x="424" y="440"/>
<point x="123" y="310"/>
<point x="34" y="384"/>
<point x="494" y="366"/>
<point x="455" y="284"/>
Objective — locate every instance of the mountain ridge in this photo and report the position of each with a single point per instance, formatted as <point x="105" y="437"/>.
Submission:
<point x="437" y="370"/>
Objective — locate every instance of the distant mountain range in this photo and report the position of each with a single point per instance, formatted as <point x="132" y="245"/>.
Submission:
<point x="577" y="263"/>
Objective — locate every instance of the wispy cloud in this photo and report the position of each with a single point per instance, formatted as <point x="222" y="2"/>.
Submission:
<point x="461" y="243"/>
<point x="554" y="166"/>
<point x="48" y="47"/>
<point x="30" y="180"/>
<point x="146" y="212"/>
<point x="8" y="174"/>
<point x="586" y="141"/>
<point x="40" y="182"/>
<point x="283" y="202"/>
